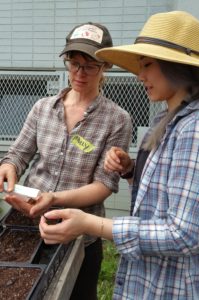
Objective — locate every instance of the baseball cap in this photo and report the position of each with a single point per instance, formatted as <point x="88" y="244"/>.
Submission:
<point x="88" y="38"/>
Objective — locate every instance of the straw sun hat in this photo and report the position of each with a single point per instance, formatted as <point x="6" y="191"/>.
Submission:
<point x="171" y="36"/>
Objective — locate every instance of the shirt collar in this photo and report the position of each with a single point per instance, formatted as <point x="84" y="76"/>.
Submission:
<point x="189" y="108"/>
<point x="59" y="96"/>
<point x="62" y="93"/>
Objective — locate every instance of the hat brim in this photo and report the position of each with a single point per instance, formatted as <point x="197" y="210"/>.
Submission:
<point x="82" y="47"/>
<point x="127" y="56"/>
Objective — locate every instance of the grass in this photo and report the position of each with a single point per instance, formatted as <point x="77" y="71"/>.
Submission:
<point x="108" y="270"/>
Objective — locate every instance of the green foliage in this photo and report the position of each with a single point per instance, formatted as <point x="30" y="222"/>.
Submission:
<point x="108" y="270"/>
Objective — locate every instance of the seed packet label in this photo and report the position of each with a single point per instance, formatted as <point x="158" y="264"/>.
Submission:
<point x="23" y="192"/>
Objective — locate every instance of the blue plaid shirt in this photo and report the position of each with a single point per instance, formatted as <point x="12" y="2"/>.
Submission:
<point x="159" y="244"/>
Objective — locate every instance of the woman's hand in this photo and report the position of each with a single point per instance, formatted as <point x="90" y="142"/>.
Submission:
<point x="33" y="207"/>
<point x="42" y="203"/>
<point x="117" y="160"/>
<point x="8" y="173"/>
<point x="19" y="204"/>
<point x="74" y="224"/>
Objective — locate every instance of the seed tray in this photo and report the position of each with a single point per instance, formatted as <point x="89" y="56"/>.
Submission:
<point x="17" y="219"/>
<point x="52" y="256"/>
<point x="49" y="257"/>
<point x="60" y="251"/>
<point x="21" y="282"/>
<point x="19" y="245"/>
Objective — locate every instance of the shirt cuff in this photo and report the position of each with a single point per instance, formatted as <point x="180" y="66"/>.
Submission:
<point x="126" y="236"/>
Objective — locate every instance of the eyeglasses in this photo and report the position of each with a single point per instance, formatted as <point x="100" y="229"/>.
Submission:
<point x="74" y="66"/>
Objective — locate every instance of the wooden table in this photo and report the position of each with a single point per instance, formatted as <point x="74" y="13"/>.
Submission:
<point x="65" y="277"/>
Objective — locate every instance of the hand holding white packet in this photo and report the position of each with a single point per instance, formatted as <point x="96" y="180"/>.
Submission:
<point x="23" y="192"/>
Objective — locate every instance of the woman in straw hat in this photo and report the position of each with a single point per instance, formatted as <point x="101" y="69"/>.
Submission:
<point x="159" y="241"/>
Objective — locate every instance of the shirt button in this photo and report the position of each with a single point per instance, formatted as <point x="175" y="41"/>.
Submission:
<point x="61" y="153"/>
<point x="56" y="173"/>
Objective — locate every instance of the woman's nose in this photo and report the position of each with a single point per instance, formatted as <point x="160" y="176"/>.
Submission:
<point x="81" y="70"/>
<point x="141" y="76"/>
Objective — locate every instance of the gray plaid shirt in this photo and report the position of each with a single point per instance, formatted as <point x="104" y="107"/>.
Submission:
<point x="68" y="161"/>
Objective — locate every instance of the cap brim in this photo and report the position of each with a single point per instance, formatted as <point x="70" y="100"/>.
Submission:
<point x="127" y="56"/>
<point x="82" y="47"/>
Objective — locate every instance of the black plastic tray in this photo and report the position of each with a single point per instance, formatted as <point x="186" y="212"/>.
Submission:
<point x="20" y="244"/>
<point x="15" y="218"/>
<point x="48" y="257"/>
<point x="20" y="220"/>
<point x="52" y="256"/>
<point x="37" y="290"/>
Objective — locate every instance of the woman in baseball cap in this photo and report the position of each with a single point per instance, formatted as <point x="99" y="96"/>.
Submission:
<point x="159" y="241"/>
<point x="72" y="132"/>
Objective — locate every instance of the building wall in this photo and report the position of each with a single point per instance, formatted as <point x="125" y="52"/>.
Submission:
<point x="32" y="32"/>
<point x="191" y="6"/>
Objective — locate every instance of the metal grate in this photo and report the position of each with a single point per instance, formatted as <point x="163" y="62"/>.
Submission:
<point x="130" y="94"/>
<point x="20" y="90"/>
<point x="18" y="93"/>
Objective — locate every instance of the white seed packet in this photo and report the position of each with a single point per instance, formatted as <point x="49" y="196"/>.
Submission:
<point x="23" y="192"/>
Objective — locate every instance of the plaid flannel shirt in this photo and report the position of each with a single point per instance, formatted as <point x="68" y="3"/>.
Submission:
<point x="159" y="244"/>
<point x="69" y="161"/>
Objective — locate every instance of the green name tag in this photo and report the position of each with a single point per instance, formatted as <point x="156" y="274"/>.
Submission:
<point x="82" y="144"/>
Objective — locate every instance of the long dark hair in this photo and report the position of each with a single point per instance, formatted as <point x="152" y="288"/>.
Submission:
<point x="179" y="75"/>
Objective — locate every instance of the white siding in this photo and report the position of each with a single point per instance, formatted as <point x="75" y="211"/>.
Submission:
<point x="32" y="32"/>
<point x="119" y="204"/>
<point x="191" y="6"/>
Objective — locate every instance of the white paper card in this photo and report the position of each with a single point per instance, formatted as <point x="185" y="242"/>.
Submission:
<point x="23" y="192"/>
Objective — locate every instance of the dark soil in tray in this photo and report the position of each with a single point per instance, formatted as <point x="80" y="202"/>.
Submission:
<point x="17" y="218"/>
<point x="18" y="245"/>
<point x="17" y="283"/>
